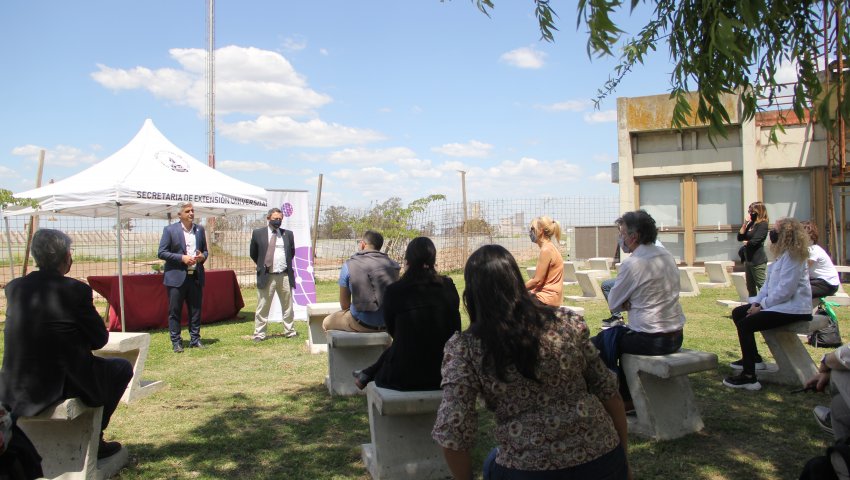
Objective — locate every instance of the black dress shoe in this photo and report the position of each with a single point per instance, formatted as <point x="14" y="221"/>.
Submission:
<point x="361" y="379"/>
<point x="107" y="449"/>
<point x="178" y="347"/>
<point x="197" y="344"/>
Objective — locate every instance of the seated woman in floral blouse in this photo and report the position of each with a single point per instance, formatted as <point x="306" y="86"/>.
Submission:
<point x="557" y="408"/>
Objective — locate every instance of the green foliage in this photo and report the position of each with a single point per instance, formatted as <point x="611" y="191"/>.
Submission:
<point x="7" y="198"/>
<point x="390" y="218"/>
<point x="336" y="223"/>
<point x="720" y="47"/>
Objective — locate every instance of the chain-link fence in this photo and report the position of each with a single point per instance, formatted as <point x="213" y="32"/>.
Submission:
<point x="586" y="232"/>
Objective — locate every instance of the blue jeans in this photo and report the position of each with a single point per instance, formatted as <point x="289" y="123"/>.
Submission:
<point x="606" y="287"/>
<point x="611" y="466"/>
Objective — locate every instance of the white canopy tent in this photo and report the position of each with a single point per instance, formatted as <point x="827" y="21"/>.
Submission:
<point x="146" y="178"/>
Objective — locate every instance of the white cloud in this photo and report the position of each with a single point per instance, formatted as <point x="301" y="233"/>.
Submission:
<point x="248" y="81"/>
<point x="601" y="117"/>
<point x="295" y="43"/>
<point x="324" y="52"/>
<point x="526" y="176"/>
<point x="366" y="157"/>
<point x="6" y="172"/>
<point x="602" y="177"/>
<point x="524" y="57"/>
<point x="282" y="131"/>
<point x="568" y="106"/>
<point x="471" y="149"/>
<point x="240" y="166"/>
<point x="60" y="156"/>
<point x="603" y="158"/>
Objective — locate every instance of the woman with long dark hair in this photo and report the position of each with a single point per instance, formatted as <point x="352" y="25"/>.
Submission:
<point x="556" y="405"/>
<point x="422" y="311"/>
<point x="753" y="234"/>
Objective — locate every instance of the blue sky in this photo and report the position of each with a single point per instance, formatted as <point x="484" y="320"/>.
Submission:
<point x="384" y="97"/>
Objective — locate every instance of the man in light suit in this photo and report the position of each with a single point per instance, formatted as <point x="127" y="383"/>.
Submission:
<point x="51" y="329"/>
<point x="275" y="273"/>
<point x="183" y="246"/>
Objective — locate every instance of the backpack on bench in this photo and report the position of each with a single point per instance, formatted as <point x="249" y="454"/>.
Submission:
<point x="828" y="336"/>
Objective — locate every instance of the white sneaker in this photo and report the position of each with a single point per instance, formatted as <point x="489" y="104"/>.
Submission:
<point x="823" y="417"/>
<point x="739" y="365"/>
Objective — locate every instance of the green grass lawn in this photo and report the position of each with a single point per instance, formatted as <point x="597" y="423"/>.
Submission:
<point x="243" y="410"/>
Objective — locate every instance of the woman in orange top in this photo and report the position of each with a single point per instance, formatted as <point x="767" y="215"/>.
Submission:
<point x="548" y="282"/>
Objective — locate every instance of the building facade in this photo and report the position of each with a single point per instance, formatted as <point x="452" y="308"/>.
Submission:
<point x="698" y="191"/>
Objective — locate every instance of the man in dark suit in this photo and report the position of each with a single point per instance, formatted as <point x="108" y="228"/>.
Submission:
<point x="51" y="329"/>
<point x="275" y="273"/>
<point x="183" y="246"/>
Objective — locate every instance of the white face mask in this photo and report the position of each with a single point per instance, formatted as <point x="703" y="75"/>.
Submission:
<point x="623" y="245"/>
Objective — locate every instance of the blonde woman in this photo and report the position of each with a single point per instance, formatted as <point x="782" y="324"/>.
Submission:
<point x="785" y="297"/>
<point x="548" y="281"/>
<point x="753" y="233"/>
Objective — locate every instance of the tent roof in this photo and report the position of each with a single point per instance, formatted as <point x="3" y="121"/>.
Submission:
<point x="148" y="177"/>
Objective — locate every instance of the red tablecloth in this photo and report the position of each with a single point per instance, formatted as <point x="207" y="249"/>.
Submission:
<point x="146" y="300"/>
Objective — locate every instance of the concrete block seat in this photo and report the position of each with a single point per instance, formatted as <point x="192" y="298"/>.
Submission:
<point x="688" y="286"/>
<point x="793" y="364"/>
<point x="66" y="436"/>
<point x="661" y="392"/>
<point x="349" y="351"/>
<point x="718" y="274"/>
<point x="739" y="281"/>
<point x="570" y="269"/>
<point x="132" y="347"/>
<point x="400" y="424"/>
<point x="590" y="282"/>
<point x="600" y="263"/>
<point x="316" y="341"/>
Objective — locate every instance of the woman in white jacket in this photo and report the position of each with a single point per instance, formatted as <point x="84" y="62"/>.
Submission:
<point x="785" y="298"/>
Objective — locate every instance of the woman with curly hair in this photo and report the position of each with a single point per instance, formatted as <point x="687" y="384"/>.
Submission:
<point x="557" y="409"/>
<point x="548" y="281"/>
<point x="753" y="233"/>
<point x="785" y="298"/>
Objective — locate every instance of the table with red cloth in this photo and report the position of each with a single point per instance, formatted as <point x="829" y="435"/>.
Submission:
<point x="146" y="299"/>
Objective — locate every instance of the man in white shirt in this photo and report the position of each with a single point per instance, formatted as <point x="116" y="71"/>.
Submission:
<point x="647" y="287"/>
<point x="273" y="251"/>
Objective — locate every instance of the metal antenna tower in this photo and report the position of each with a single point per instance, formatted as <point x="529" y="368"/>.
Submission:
<point x="210" y="77"/>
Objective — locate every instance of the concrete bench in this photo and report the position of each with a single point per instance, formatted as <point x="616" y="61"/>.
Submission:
<point x="349" y="351"/>
<point x="66" y="436"/>
<point x="600" y="263"/>
<point x="132" y="347"/>
<point x="739" y="281"/>
<point x="400" y="424"/>
<point x="590" y="282"/>
<point x="718" y="274"/>
<point x="570" y="269"/>
<point x="317" y="341"/>
<point x="661" y="392"/>
<point x="688" y="286"/>
<point x="793" y="364"/>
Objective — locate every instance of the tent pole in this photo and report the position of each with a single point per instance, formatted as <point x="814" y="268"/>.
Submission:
<point x="120" y="270"/>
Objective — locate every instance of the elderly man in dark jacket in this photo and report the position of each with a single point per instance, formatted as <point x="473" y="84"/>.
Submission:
<point x="51" y="329"/>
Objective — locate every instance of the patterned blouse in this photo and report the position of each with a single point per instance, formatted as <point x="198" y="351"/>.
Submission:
<point x="557" y="423"/>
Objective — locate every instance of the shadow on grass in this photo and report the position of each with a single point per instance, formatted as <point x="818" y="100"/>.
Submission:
<point x="767" y="434"/>
<point x="320" y="438"/>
